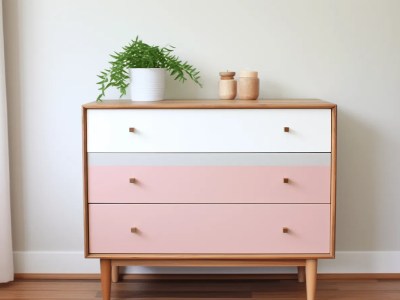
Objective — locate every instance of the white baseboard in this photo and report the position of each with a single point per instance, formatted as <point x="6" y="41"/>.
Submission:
<point x="74" y="262"/>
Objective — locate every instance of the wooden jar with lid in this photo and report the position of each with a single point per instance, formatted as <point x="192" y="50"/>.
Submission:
<point x="249" y="85"/>
<point x="227" y="86"/>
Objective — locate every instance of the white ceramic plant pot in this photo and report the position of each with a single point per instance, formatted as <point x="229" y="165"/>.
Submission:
<point x="147" y="84"/>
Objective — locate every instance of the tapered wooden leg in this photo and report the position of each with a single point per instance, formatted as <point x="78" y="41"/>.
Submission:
<point x="114" y="273"/>
<point x="105" y="268"/>
<point x="311" y="278"/>
<point x="301" y="274"/>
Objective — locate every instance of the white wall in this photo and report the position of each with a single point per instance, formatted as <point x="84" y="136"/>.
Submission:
<point x="344" y="51"/>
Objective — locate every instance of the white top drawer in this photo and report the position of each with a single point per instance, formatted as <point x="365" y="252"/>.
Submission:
<point x="209" y="130"/>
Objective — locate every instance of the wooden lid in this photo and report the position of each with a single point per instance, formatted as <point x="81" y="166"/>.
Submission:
<point x="252" y="74"/>
<point x="227" y="75"/>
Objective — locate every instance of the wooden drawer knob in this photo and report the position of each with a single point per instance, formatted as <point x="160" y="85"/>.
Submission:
<point x="134" y="229"/>
<point x="132" y="180"/>
<point x="286" y="129"/>
<point x="285" y="180"/>
<point x="131" y="129"/>
<point x="285" y="230"/>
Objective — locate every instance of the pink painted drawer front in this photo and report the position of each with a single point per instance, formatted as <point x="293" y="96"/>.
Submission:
<point x="209" y="228"/>
<point x="209" y="184"/>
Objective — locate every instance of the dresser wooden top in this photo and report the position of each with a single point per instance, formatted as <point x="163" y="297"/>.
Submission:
<point x="216" y="104"/>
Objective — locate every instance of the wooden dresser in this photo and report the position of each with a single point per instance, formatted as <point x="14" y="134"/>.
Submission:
<point x="210" y="183"/>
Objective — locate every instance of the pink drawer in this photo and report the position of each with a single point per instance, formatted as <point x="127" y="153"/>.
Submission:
<point x="209" y="184"/>
<point x="209" y="228"/>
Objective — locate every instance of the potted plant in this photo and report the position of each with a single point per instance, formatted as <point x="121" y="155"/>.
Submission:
<point x="143" y="67"/>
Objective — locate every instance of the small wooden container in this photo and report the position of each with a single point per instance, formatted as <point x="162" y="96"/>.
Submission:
<point x="227" y="86"/>
<point x="249" y="85"/>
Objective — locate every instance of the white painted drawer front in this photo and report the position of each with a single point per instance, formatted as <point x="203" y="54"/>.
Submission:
<point x="209" y="130"/>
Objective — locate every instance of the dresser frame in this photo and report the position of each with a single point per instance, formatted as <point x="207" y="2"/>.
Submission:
<point x="305" y="263"/>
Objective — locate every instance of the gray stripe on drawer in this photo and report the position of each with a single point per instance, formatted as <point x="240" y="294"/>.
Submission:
<point x="214" y="159"/>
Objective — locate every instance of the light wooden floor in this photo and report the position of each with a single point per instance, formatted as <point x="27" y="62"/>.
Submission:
<point x="201" y="289"/>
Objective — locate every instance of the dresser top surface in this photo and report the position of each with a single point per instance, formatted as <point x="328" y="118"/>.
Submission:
<point x="211" y="104"/>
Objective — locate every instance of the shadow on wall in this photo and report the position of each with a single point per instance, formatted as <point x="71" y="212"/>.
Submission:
<point x="357" y="197"/>
<point x="178" y="90"/>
